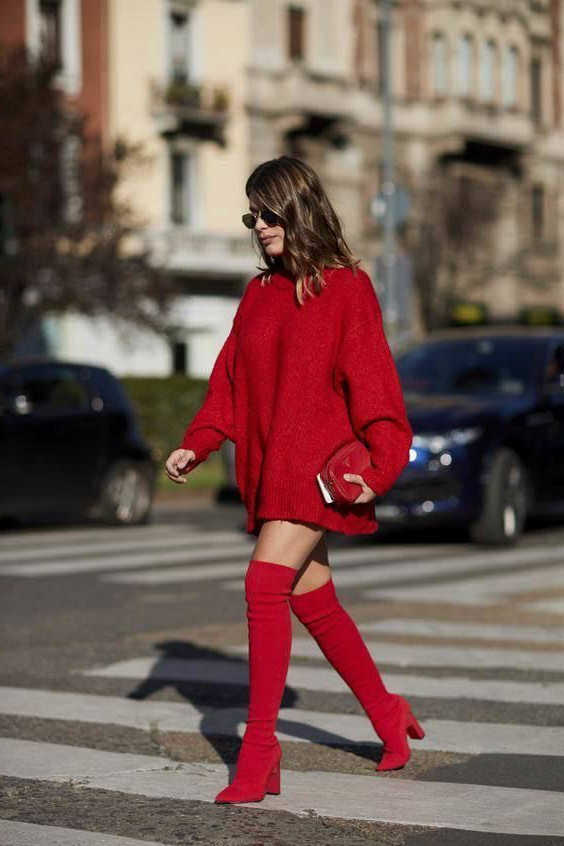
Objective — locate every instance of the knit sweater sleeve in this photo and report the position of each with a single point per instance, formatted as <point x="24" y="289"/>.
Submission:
<point x="368" y="379"/>
<point x="214" y="422"/>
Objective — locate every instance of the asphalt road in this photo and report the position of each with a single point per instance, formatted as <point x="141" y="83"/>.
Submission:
<point x="123" y="690"/>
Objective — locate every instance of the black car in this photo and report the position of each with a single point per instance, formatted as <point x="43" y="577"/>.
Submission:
<point x="70" y="444"/>
<point x="487" y="412"/>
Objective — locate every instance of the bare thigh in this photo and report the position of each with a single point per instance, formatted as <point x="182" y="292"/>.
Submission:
<point x="286" y="542"/>
<point x="301" y="546"/>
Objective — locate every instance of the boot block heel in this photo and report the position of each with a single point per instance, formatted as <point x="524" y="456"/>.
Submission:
<point x="273" y="783"/>
<point x="414" y="730"/>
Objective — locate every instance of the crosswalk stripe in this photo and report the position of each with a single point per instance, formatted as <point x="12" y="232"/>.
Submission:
<point x="486" y="590"/>
<point x="376" y="573"/>
<point x="29" y="834"/>
<point x="552" y="606"/>
<point x="239" y="548"/>
<point x="182" y="542"/>
<point x="503" y="810"/>
<point x="460" y="629"/>
<point x="294" y="724"/>
<point x="41" y="539"/>
<point x="410" y="655"/>
<point x="325" y="679"/>
<point x="341" y="559"/>
<point x="118" y="562"/>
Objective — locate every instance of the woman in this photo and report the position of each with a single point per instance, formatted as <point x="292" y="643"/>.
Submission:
<point x="305" y="368"/>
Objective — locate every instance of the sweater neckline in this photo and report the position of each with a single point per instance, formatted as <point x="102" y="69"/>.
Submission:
<point x="284" y="278"/>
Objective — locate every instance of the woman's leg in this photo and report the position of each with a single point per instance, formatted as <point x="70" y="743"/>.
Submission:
<point x="281" y="549"/>
<point x="316" y="605"/>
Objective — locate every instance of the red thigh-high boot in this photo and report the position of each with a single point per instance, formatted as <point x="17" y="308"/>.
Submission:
<point x="267" y="589"/>
<point x="340" y="641"/>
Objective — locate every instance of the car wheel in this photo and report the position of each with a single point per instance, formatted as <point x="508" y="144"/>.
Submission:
<point x="504" y="510"/>
<point x="126" y="495"/>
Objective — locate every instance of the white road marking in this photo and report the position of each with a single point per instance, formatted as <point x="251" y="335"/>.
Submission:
<point x="487" y="590"/>
<point x="187" y="574"/>
<point x="454" y="686"/>
<point x="41" y="539"/>
<point x="28" y="834"/>
<point x="410" y="655"/>
<point x="193" y="549"/>
<point x="294" y="724"/>
<point x="460" y="629"/>
<point x="444" y="567"/>
<point x="551" y="606"/>
<point x="503" y="810"/>
<point x="123" y="562"/>
<point x="182" y="541"/>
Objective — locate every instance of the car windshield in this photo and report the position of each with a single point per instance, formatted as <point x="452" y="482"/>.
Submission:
<point x="471" y="366"/>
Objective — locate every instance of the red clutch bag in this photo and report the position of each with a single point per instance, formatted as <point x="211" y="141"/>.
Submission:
<point x="352" y="457"/>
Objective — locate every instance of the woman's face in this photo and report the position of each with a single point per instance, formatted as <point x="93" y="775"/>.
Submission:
<point x="271" y="237"/>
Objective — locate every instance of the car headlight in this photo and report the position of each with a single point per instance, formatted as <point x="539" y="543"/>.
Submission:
<point x="447" y="440"/>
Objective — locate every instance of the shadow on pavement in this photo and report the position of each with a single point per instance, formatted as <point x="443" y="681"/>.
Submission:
<point x="231" y="699"/>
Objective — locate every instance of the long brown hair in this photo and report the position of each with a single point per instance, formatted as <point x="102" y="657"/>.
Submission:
<point x="313" y="238"/>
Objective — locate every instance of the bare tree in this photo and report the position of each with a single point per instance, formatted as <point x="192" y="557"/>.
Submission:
<point x="66" y="240"/>
<point x="451" y="242"/>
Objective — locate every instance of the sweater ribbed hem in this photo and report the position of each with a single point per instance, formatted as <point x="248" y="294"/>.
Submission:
<point x="291" y="502"/>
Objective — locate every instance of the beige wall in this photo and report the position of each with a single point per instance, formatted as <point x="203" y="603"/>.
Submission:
<point x="136" y="55"/>
<point x="224" y="171"/>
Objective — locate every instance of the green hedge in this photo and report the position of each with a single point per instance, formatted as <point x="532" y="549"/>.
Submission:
<point x="164" y="407"/>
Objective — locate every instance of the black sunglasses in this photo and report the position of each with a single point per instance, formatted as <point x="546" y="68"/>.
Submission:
<point x="269" y="217"/>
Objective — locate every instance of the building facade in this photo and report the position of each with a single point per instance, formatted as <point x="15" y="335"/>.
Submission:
<point x="213" y="87"/>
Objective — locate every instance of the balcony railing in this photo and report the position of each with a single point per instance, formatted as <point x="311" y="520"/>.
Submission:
<point x="186" y="108"/>
<point x="182" y="248"/>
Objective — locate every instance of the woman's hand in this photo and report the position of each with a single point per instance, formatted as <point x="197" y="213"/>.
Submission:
<point x="176" y="464"/>
<point x="367" y="494"/>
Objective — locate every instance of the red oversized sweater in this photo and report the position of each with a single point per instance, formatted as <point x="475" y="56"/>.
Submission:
<point x="291" y="384"/>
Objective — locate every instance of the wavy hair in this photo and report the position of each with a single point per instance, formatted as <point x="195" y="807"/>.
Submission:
<point x="313" y="238"/>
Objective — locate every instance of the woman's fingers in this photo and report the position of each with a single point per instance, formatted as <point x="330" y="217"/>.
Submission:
<point x="177" y="463"/>
<point x="367" y="494"/>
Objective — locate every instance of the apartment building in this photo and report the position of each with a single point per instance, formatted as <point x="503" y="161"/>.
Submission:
<point x="476" y="92"/>
<point x="171" y="75"/>
<point x="213" y="87"/>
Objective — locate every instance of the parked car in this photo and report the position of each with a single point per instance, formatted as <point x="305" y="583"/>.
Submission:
<point x="70" y="444"/>
<point x="487" y="412"/>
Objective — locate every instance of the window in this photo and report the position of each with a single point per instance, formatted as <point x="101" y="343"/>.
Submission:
<point x="536" y="90"/>
<point x="381" y="57"/>
<point x="7" y="240"/>
<point x="465" y="55"/>
<point x="537" y="212"/>
<point x="510" y="76"/>
<point x="439" y="64"/>
<point x="70" y="180"/>
<point x="487" y="71"/>
<point x="296" y="27"/>
<point x="179" y="28"/>
<point x="179" y="357"/>
<point x="180" y="187"/>
<point x="50" y="31"/>
<point x="48" y="391"/>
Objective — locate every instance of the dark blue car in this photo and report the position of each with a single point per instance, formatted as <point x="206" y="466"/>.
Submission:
<point x="487" y="412"/>
<point x="70" y="445"/>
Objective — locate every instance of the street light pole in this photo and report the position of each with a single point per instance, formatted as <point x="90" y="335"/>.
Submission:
<point x="388" y="175"/>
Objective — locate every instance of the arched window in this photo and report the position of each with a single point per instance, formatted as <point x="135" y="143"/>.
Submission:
<point x="439" y="64"/>
<point x="487" y="70"/>
<point x="510" y="76"/>
<point x="465" y="64"/>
